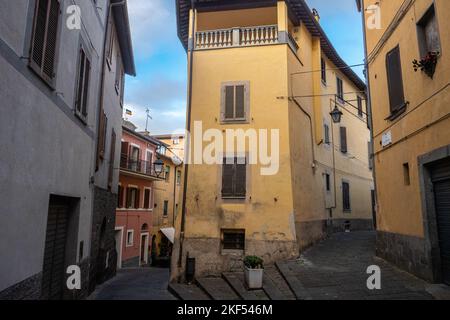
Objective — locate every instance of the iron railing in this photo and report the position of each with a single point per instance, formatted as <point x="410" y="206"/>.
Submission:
<point x="138" y="166"/>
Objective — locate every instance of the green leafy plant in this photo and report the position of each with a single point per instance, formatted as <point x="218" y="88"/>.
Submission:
<point x="254" y="262"/>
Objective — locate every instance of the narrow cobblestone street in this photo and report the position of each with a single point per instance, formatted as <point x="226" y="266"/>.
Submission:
<point x="336" y="269"/>
<point x="136" y="284"/>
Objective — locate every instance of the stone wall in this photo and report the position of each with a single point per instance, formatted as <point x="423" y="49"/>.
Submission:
<point x="406" y="252"/>
<point x="103" y="251"/>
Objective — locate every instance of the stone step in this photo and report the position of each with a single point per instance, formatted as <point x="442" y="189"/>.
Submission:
<point x="275" y="286"/>
<point x="187" y="292"/>
<point x="217" y="289"/>
<point x="293" y="282"/>
<point x="237" y="282"/>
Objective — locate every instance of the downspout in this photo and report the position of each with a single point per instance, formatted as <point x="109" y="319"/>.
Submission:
<point x="313" y="164"/>
<point x="334" y="161"/>
<point x="102" y="79"/>
<point x="174" y="194"/>
<point x="188" y="128"/>
<point x="369" y="105"/>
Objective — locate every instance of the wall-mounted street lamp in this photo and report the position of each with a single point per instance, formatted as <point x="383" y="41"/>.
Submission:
<point x="336" y="115"/>
<point x="159" y="167"/>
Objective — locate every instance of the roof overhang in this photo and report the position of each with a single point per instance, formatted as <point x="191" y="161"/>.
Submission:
<point x="299" y="12"/>
<point x="122" y="23"/>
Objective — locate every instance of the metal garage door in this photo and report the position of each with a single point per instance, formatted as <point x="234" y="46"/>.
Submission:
<point x="55" y="249"/>
<point x="441" y="184"/>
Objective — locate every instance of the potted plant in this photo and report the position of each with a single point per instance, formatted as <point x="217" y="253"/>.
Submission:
<point x="254" y="270"/>
<point x="427" y="64"/>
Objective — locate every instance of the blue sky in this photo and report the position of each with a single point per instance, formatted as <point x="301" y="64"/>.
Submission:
<point x="161" y="60"/>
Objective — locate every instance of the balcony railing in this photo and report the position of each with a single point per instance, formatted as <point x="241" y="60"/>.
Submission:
<point x="242" y="37"/>
<point x="138" y="166"/>
<point x="237" y="37"/>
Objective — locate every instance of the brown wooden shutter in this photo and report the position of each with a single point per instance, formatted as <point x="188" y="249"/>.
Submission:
<point x="346" y="196"/>
<point x="137" y="202"/>
<point x="227" y="179"/>
<point x="81" y="70"/>
<point x="395" y="81"/>
<point x="50" y="43"/>
<point x="128" y="202"/>
<point x="111" y="159"/>
<point x="229" y="102"/>
<point x="86" y="88"/>
<point x="40" y="22"/>
<point x="240" y="179"/>
<point x="240" y="102"/>
<point x="343" y="139"/>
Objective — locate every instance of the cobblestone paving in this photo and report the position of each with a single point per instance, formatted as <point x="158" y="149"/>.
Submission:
<point x="336" y="269"/>
<point x="136" y="284"/>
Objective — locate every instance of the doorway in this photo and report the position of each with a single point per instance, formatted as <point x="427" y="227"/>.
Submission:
<point x="440" y="177"/>
<point x="144" y="249"/>
<point x="119" y="242"/>
<point x="55" y="248"/>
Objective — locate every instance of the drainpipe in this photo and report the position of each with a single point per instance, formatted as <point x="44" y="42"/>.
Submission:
<point x="174" y="195"/>
<point x="369" y="105"/>
<point x="334" y="160"/>
<point x="313" y="164"/>
<point x="188" y="128"/>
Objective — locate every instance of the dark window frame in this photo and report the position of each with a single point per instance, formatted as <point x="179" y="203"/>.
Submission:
<point x="39" y="68"/>
<point x="233" y="239"/>
<point x="234" y="191"/>
<point x="346" y="197"/>
<point x="224" y="117"/>
<point x="323" y="69"/>
<point x="395" y="109"/>
<point x="421" y="32"/>
<point x="340" y="89"/>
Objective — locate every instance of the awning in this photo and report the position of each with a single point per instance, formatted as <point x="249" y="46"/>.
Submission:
<point x="169" y="233"/>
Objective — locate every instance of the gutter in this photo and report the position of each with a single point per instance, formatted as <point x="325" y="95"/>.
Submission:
<point x="188" y="128"/>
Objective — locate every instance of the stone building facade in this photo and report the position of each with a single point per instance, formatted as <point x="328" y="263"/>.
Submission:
<point x="50" y="92"/>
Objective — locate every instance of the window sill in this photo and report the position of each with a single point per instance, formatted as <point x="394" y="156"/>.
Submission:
<point x="80" y="117"/>
<point x="234" y="198"/>
<point x="233" y="252"/>
<point x="235" y="121"/>
<point x="397" y="113"/>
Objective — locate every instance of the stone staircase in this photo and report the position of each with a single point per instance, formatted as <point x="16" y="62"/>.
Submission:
<point x="279" y="284"/>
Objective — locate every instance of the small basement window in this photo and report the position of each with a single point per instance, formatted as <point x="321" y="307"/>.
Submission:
<point x="233" y="239"/>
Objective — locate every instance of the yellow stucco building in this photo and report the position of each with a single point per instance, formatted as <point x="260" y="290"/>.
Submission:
<point x="267" y="67"/>
<point x="411" y="129"/>
<point x="166" y="198"/>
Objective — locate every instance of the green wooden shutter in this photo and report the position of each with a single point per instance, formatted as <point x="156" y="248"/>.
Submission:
<point x="40" y="22"/>
<point x="50" y="44"/>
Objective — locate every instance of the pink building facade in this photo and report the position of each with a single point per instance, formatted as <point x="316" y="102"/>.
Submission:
<point x="134" y="212"/>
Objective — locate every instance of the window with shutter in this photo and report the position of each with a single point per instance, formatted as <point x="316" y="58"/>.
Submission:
<point x="235" y="102"/>
<point x="323" y="70"/>
<point x="326" y="130"/>
<point x="395" y="81"/>
<point x="346" y="196"/>
<point x="234" y="178"/>
<point x="111" y="160"/>
<point x="81" y="100"/>
<point x="343" y="131"/>
<point x="340" y="89"/>
<point x="428" y="33"/>
<point x="360" y="106"/>
<point x="44" y="39"/>
<point x="120" y="197"/>
<point x="110" y="49"/>
<point x="137" y="203"/>
<point x="147" y="199"/>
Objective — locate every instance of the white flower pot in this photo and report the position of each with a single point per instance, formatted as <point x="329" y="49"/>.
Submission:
<point x="254" y="278"/>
